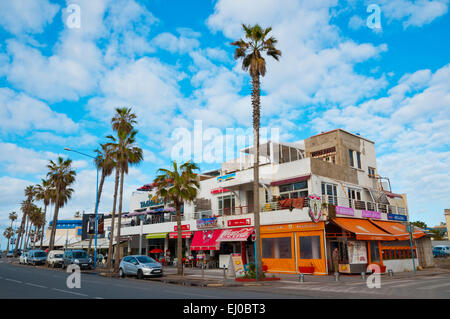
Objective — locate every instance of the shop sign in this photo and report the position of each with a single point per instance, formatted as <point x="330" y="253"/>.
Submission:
<point x="219" y="190"/>
<point x="151" y="202"/>
<point x="237" y="265"/>
<point x="315" y="209"/>
<point x="345" y="211"/>
<point x="371" y="214"/>
<point x="207" y="223"/>
<point x="183" y="227"/>
<point x="239" y="222"/>
<point x="401" y="218"/>
<point x="292" y="227"/>
<point x="227" y="177"/>
<point x="183" y="235"/>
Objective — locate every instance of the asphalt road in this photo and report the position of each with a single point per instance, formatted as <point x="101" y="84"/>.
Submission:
<point x="20" y="281"/>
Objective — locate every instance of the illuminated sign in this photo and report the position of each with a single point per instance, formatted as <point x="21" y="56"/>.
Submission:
<point x="151" y="203"/>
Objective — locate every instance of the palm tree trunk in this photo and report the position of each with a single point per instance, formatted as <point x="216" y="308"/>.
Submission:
<point x="27" y="235"/>
<point x="90" y="244"/>
<point x="55" y="220"/>
<point x="256" y="122"/>
<point x="113" y="217"/>
<point x="179" y="242"/>
<point x="119" y="222"/>
<point x="43" y="226"/>
<point x="7" y="247"/>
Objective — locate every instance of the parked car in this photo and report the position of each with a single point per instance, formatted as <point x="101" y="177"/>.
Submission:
<point x="140" y="266"/>
<point x="77" y="257"/>
<point x="55" y="258"/>
<point x="36" y="257"/>
<point x="23" y="259"/>
<point x="441" y="251"/>
<point x="10" y="254"/>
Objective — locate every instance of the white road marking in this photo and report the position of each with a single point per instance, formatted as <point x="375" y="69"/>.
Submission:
<point x="69" y="292"/>
<point x="34" y="285"/>
<point x="16" y="281"/>
<point x="413" y="283"/>
<point x="99" y="298"/>
<point x="436" y="286"/>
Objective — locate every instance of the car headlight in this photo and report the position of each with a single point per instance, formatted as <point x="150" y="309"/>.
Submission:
<point x="76" y="261"/>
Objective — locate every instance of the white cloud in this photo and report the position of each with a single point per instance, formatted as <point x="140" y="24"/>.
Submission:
<point x="26" y="16"/>
<point x="20" y="113"/>
<point x="413" y="13"/>
<point x="175" y="44"/>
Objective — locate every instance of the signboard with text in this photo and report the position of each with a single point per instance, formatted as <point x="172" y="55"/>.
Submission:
<point x="183" y="227"/>
<point x="207" y="223"/>
<point x="239" y="222"/>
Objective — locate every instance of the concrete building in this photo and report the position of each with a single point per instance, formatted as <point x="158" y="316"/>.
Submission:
<point x="316" y="195"/>
<point x="447" y="221"/>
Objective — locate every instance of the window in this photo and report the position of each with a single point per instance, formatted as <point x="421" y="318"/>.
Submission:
<point x="295" y="190"/>
<point x="226" y="205"/>
<point x="358" y="159"/>
<point x="329" y="192"/>
<point x="279" y="247"/>
<point x="371" y="171"/>
<point x="354" y="196"/>
<point x="350" y="156"/>
<point x="310" y="247"/>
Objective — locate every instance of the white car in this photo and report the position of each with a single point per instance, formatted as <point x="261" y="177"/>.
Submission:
<point x="55" y="258"/>
<point x="23" y="259"/>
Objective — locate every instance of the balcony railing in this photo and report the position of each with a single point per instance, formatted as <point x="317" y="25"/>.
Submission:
<point x="153" y="219"/>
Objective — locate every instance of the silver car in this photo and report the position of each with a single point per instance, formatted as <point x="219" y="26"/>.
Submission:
<point x="36" y="257"/>
<point x="140" y="266"/>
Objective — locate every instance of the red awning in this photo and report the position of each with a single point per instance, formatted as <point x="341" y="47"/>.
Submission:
<point x="206" y="240"/>
<point x="291" y="180"/>
<point x="235" y="234"/>
<point x="185" y="234"/>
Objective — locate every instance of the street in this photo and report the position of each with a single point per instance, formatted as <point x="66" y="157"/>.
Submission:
<point x="19" y="281"/>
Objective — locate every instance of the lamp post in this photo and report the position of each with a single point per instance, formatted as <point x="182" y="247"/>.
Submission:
<point x="96" y="202"/>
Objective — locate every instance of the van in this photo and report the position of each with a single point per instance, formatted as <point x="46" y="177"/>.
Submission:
<point x="55" y="258"/>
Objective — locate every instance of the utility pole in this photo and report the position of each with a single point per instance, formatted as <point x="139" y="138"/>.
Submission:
<point x="410" y="230"/>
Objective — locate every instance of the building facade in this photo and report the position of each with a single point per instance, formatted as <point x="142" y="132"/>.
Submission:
<point x="317" y="196"/>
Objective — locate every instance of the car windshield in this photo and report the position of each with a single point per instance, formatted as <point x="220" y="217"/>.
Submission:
<point x="145" y="259"/>
<point x="79" y="254"/>
<point x="39" y="254"/>
<point x="58" y="256"/>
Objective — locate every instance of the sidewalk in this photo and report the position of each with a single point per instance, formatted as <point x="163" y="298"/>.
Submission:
<point x="215" y="276"/>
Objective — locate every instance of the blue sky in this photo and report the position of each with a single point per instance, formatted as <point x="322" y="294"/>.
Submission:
<point x="172" y="62"/>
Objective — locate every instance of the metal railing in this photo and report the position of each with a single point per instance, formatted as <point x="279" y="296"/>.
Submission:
<point x="153" y="219"/>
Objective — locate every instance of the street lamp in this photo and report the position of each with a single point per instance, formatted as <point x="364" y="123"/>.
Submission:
<point x="96" y="201"/>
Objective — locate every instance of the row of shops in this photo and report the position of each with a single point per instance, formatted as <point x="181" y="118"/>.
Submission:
<point x="346" y="245"/>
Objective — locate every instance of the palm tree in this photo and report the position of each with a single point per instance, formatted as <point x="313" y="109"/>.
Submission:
<point x="45" y="193"/>
<point x="127" y="153"/>
<point x="177" y="187"/>
<point x="26" y="207"/>
<point x="37" y="217"/>
<point x="122" y="123"/>
<point x="12" y="217"/>
<point x="250" y="51"/>
<point x="8" y="233"/>
<point x="61" y="176"/>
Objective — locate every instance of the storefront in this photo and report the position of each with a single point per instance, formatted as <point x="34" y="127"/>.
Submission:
<point x="235" y="240"/>
<point x="294" y="248"/>
<point x="205" y="245"/>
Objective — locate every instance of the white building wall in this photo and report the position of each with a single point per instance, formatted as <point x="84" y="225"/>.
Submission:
<point x="400" y="265"/>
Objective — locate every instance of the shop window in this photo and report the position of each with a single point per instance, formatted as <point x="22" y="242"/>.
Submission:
<point x="310" y="247"/>
<point x="278" y="248"/>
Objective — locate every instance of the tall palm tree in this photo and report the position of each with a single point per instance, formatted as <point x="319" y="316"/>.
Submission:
<point x="12" y="217"/>
<point x="105" y="161"/>
<point x="8" y="233"/>
<point x="176" y="187"/>
<point x="127" y="153"/>
<point x="61" y="176"/>
<point x="122" y="121"/>
<point x="251" y="51"/>
<point x="26" y="207"/>
<point x="37" y="217"/>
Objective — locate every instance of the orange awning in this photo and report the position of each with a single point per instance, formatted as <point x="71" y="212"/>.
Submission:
<point x="363" y="229"/>
<point x="397" y="229"/>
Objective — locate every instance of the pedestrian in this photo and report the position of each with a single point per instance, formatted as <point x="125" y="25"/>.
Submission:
<point x="335" y="259"/>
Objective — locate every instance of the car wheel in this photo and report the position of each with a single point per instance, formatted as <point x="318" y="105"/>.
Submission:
<point x="140" y="274"/>
<point x="121" y="273"/>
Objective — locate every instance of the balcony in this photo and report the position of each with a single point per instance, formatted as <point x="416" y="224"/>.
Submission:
<point x="152" y="219"/>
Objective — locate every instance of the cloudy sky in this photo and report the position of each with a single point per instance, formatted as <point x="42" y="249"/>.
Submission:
<point x="172" y="62"/>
